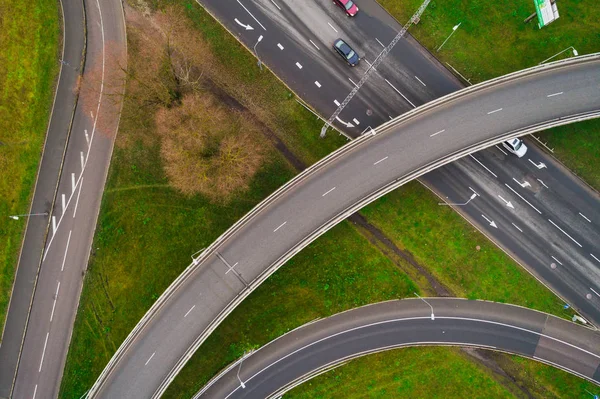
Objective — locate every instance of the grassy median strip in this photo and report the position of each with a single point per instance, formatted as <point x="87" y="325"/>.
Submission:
<point x="29" y="49"/>
<point x="492" y="40"/>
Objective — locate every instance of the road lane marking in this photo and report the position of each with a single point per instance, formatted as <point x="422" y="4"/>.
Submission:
<point x="62" y="196"/>
<point x="565" y="233"/>
<point x="92" y="114"/>
<point x="583" y="216"/>
<point x="398" y="91"/>
<point x="520" y="196"/>
<point x="474" y="192"/>
<point x="336" y="102"/>
<point x="318" y="84"/>
<point x="298" y="65"/>
<point x="231" y="267"/>
<point x="188" y="312"/>
<point x="543" y="184"/>
<point x="420" y="81"/>
<point x="54" y="304"/>
<point x="147" y="361"/>
<point x="331" y="26"/>
<point x="66" y="249"/>
<point x="390" y="118"/>
<point x="517" y="227"/>
<point x="436" y="133"/>
<point x="328" y="192"/>
<point x="559" y="262"/>
<point x="280" y="226"/>
<point x="367" y="61"/>
<point x="501" y="150"/>
<point x="244" y="7"/>
<point x="34" y="391"/>
<point x="72" y="183"/>
<point x="43" y="352"/>
<point x="353" y="82"/>
<point x="485" y="167"/>
<point x="494" y="111"/>
<point x="313" y="43"/>
<point x="555" y="94"/>
<point x="87" y="138"/>
<point x="381" y="160"/>
<point x="382" y="45"/>
<point x="279" y="8"/>
<point x="355" y="121"/>
<point x="82" y="159"/>
<point x="280" y="46"/>
<point x="594" y="291"/>
<point x="524" y="184"/>
<point x="595" y="257"/>
<point x="78" y="194"/>
<point x="53" y="224"/>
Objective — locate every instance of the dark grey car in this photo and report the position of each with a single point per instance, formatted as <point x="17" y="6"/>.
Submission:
<point x="346" y="52"/>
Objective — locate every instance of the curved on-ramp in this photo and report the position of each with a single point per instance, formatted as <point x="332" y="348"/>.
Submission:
<point x="360" y="172"/>
<point x="316" y="347"/>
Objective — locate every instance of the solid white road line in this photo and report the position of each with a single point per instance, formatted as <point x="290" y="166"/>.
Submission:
<point x="313" y="43"/>
<point x="280" y="226"/>
<point x="398" y="91"/>
<point x="62" y="196"/>
<point x="78" y="194"/>
<point x="280" y="46"/>
<point x="150" y="358"/>
<point x="517" y="227"/>
<point x="298" y="65"/>
<point x="261" y="25"/>
<point x="485" y="167"/>
<point x="355" y="121"/>
<point x="54" y="304"/>
<point x="555" y="94"/>
<point x="331" y="26"/>
<point x="420" y="81"/>
<point x="43" y="352"/>
<point x="328" y="192"/>
<point x="501" y="150"/>
<point x="279" y="8"/>
<point x="520" y="196"/>
<point x="381" y="160"/>
<point x="66" y="249"/>
<point x="595" y="257"/>
<point x="594" y="291"/>
<point x="565" y="233"/>
<point x="559" y="262"/>
<point x="336" y="102"/>
<point x="583" y="216"/>
<point x="494" y="111"/>
<point x="188" y="312"/>
<point x="352" y="82"/>
<point x="382" y="45"/>
<point x="317" y="84"/>
<point x="436" y="133"/>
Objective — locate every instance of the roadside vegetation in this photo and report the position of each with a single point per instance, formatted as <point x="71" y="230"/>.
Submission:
<point x="29" y="51"/>
<point x="149" y="224"/>
<point x="493" y="40"/>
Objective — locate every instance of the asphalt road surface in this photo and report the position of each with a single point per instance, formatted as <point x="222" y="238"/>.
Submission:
<point x="304" y="352"/>
<point x="44" y="195"/>
<point x="408" y="76"/>
<point x="73" y="218"/>
<point x="312" y="204"/>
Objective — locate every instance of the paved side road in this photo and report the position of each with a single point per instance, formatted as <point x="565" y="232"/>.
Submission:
<point x="302" y="353"/>
<point x="45" y="191"/>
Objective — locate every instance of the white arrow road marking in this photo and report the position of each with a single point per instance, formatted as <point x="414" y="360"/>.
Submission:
<point x="542" y="183"/>
<point x="508" y="203"/>
<point x="247" y="27"/>
<point x="261" y="25"/>
<point x="491" y="222"/>
<point x="540" y="166"/>
<point x="348" y="124"/>
<point x="524" y="184"/>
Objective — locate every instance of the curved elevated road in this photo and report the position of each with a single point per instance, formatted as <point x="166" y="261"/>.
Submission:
<point x="365" y="169"/>
<point x="315" y="347"/>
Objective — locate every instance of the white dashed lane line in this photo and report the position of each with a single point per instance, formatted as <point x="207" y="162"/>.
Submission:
<point x="317" y="84"/>
<point x="280" y="226"/>
<point x="485" y="167"/>
<point x="594" y="291"/>
<point x="494" y="111"/>
<point x="436" y="133"/>
<point x="382" y="45"/>
<point x="381" y="160"/>
<point x="585" y="217"/>
<point x="336" y="102"/>
<point x="313" y="43"/>
<point x="43" y="353"/>
<point x="66" y="250"/>
<point x="280" y="46"/>
<point x="279" y="8"/>
<point x="517" y="227"/>
<point x="188" y="312"/>
<point x="420" y="81"/>
<point x="331" y="26"/>
<point x="520" y="196"/>
<point x="555" y="94"/>
<point x="565" y="233"/>
<point x="261" y="25"/>
<point x="150" y="358"/>
<point x="54" y="303"/>
<point x="355" y="121"/>
<point x="595" y="257"/>
<point x="559" y="262"/>
<point x="328" y="192"/>
<point x="501" y="150"/>
<point x="298" y="65"/>
<point x="542" y="183"/>
<point x="351" y="81"/>
<point x="398" y="91"/>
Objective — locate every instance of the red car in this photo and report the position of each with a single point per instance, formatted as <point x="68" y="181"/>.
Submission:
<point x="348" y="6"/>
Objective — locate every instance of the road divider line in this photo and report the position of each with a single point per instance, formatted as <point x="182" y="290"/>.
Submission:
<point x="280" y="226"/>
<point x="66" y="249"/>
<point x="436" y="133"/>
<point x="280" y="46"/>
<point x="555" y="94"/>
<point x="150" y="358"/>
<point x="398" y="91"/>
<point x="485" y="167"/>
<point x="595" y="257"/>
<point x="382" y="45"/>
<point x="520" y="196"/>
<point x="54" y="304"/>
<point x="565" y="233"/>
<point x="381" y="160"/>
<point x="188" y="312"/>
<point x="559" y="262"/>
<point x="494" y="111"/>
<point x="43" y="353"/>
<point x="244" y="7"/>
<point x="317" y="84"/>
<point x="517" y="227"/>
<point x="420" y="81"/>
<point x="585" y="217"/>
<point x="328" y="192"/>
<point x="313" y="43"/>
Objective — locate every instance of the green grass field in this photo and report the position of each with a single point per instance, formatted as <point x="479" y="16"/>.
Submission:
<point x="492" y="40"/>
<point x="29" y="50"/>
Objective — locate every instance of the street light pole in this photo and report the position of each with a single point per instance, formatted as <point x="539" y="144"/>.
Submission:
<point x="239" y="368"/>
<point x="432" y="316"/>
<point x="471" y="198"/>
<point x="454" y="28"/>
<point x="16" y="217"/>
<point x="255" y="53"/>
<point x="575" y="53"/>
